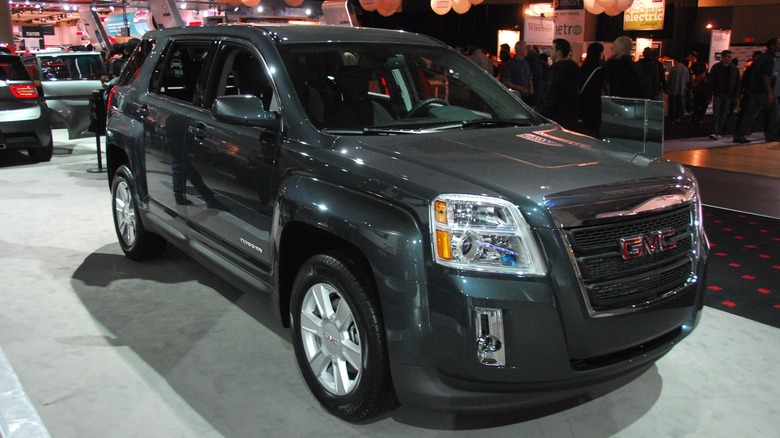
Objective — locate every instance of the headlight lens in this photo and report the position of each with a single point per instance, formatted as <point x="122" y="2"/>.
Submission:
<point x="481" y="233"/>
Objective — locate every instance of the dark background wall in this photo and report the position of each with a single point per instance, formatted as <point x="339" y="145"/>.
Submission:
<point x="684" y="25"/>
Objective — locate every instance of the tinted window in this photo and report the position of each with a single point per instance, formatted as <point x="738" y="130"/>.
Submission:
<point x="135" y="61"/>
<point x="87" y="66"/>
<point x="12" y="69"/>
<point x="179" y="71"/>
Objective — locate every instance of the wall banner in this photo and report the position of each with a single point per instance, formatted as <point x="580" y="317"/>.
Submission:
<point x="570" y="25"/>
<point x="644" y="15"/>
<point x="539" y="31"/>
<point x="720" y="41"/>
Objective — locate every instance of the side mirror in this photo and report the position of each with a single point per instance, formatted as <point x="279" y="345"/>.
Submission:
<point x="244" y="110"/>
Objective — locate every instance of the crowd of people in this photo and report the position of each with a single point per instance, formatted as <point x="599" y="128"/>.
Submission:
<point x="570" y="93"/>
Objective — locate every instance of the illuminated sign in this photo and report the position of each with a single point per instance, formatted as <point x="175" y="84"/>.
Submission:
<point x="644" y="15"/>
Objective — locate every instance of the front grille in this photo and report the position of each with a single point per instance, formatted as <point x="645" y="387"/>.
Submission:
<point x="613" y="282"/>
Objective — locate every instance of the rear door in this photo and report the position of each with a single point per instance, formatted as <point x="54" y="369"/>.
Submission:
<point x="166" y="110"/>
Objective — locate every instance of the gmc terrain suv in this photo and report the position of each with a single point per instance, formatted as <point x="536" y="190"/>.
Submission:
<point x="428" y="238"/>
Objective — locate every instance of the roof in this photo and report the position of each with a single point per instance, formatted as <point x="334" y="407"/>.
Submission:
<point x="297" y="33"/>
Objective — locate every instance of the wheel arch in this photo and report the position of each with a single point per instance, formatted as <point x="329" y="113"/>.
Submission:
<point x="316" y="216"/>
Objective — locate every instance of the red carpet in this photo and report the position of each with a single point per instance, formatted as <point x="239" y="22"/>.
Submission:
<point x="743" y="276"/>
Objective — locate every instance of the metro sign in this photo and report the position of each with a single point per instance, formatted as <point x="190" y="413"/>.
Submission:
<point x="646" y="244"/>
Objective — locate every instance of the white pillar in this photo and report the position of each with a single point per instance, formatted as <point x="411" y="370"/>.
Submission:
<point x="6" y="28"/>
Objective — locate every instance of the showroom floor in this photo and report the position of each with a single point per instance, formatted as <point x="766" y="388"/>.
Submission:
<point x="104" y="347"/>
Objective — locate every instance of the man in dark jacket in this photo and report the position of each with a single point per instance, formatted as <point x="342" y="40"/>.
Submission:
<point x="621" y="78"/>
<point x="559" y="87"/>
<point x="761" y="95"/>
<point x="724" y="83"/>
<point x="651" y="75"/>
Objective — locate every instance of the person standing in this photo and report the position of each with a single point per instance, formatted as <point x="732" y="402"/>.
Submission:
<point x="724" y="82"/>
<point x="744" y="85"/>
<point x="621" y="78"/>
<point x="503" y="59"/>
<point x="559" y="87"/>
<point x="517" y="75"/>
<point x="539" y="68"/>
<point x="678" y="82"/>
<point x="651" y="75"/>
<point x="590" y="82"/>
<point x="701" y="93"/>
<point x="762" y="95"/>
<point x="776" y="88"/>
<point x="480" y="58"/>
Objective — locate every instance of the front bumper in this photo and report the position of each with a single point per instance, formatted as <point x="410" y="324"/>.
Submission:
<point x="544" y="364"/>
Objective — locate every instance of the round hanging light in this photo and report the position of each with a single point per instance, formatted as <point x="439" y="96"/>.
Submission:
<point x="441" y="7"/>
<point x="593" y="7"/>
<point x="369" y="5"/>
<point x="461" y="6"/>
<point x="623" y="5"/>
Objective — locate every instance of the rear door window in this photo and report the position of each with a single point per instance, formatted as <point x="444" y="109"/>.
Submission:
<point x="137" y="58"/>
<point x="178" y="73"/>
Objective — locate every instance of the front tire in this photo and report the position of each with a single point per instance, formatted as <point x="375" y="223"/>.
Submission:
<point x="339" y="339"/>
<point x="136" y="242"/>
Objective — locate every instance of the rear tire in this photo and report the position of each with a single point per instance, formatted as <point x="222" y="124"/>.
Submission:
<point x="136" y="242"/>
<point x="38" y="155"/>
<point x="339" y="338"/>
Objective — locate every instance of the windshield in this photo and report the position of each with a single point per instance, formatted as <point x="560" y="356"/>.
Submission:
<point x="362" y="87"/>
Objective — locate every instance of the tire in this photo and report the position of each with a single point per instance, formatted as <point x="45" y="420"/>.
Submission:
<point x="339" y="338"/>
<point x="137" y="243"/>
<point x="38" y="155"/>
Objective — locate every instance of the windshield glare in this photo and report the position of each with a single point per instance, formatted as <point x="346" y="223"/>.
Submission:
<point x="351" y="87"/>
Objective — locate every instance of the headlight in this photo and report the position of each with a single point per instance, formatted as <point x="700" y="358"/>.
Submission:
<point x="480" y="233"/>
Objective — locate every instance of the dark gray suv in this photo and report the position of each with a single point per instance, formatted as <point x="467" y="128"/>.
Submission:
<point x="428" y="238"/>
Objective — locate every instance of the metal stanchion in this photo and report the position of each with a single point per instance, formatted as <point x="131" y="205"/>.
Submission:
<point x="97" y="115"/>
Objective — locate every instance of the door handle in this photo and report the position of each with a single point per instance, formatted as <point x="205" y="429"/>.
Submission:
<point x="198" y="130"/>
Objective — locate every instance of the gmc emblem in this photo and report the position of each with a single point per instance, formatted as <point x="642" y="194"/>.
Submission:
<point x="646" y="244"/>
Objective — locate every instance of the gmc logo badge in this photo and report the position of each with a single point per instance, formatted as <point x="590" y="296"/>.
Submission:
<point x="646" y="244"/>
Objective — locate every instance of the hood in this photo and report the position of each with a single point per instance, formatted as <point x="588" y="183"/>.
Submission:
<point x="520" y="164"/>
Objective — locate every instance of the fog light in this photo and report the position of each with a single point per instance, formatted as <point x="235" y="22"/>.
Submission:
<point x="490" y="336"/>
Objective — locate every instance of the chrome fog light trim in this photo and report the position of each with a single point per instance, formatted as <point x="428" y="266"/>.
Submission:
<point x="490" y="336"/>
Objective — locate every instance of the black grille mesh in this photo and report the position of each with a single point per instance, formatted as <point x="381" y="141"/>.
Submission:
<point x="613" y="282"/>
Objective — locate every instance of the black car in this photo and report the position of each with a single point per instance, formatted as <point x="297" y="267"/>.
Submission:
<point x="427" y="236"/>
<point x="24" y="118"/>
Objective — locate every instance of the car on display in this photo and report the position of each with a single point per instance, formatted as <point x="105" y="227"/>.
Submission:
<point x="428" y="238"/>
<point x="24" y="118"/>
<point x="67" y="80"/>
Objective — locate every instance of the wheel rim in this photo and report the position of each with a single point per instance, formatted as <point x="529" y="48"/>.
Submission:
<point x="124" y="212"/>
<point x="331" y="340"/>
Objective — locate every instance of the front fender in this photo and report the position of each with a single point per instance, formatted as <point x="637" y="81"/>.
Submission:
<point x="388" y="236"/>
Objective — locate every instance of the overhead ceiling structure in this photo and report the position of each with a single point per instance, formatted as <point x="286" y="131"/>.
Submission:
<point x="31" y="12"/>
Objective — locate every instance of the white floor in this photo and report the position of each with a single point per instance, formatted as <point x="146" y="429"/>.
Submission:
<point x="105" y="347"/>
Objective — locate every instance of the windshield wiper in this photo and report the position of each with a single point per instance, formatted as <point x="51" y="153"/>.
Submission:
<point x="392" y="131"/>
<point x="489" y="123"/>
